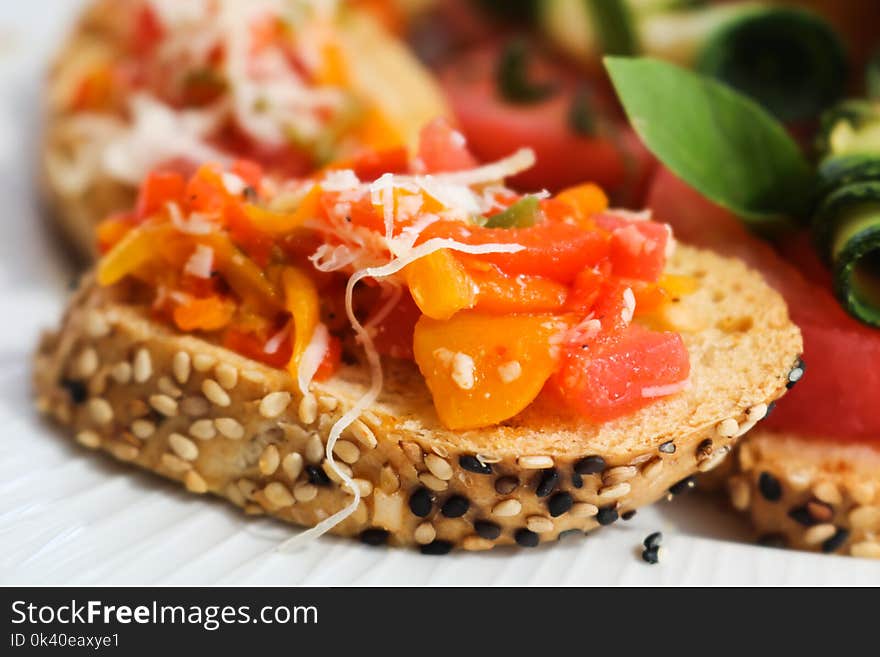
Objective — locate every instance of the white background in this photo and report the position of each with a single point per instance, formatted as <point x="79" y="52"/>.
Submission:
<point x="68" y="516"/>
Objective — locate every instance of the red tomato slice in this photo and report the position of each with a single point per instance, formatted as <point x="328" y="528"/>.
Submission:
<point x="159" y="188"/>
<point x="442" y="148"/>
<point x="557" y="251"/>
<point x="393" y="336"/>
<point x="614" y="376"/>
<point x="638" y="248"/>
<point x="834" y="399"/>
<point x="495" y="128"/>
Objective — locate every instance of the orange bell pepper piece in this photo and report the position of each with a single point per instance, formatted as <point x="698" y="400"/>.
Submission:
<point x="440" y="285"/>
<point x="208" y="314"/>
<point x="301" y="300"/>
<point x="280" y="223"/>
<point x="586" y="200"/>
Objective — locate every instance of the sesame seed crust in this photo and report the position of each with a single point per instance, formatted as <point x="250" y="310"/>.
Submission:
<point x="244" y="432"/>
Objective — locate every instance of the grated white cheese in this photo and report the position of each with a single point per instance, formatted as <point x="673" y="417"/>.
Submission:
<point x="649" y="392"/>
<point x="629" y="306"/>
<point x="463" y="371"/>
<point x="312" y="357"/>
<point x="201" y="262"/>
<point x="510" y="371"/>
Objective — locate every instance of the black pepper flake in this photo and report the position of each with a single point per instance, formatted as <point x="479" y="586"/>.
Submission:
<point x="628" y="515"/>
<point x="76" y="389"/>
<point x="607" y="515"/>
<point x="317" y="476"/>
<point x="772" y="540"/>
<point x="653" y="541"/>
<point x="651" y="555"/>
<point x="771" y="489"/>
<point x="526" y="538"/>
<point x="835" y="542"/>
<point x="436" y="548"/>
<point x="487" y="530"/>
<point x="590" y="465"/>
<point x="559" y="504"/>
<point x="506" y="485"/>
<point x="374" y="536"/>
<point x="796" y="373"/>
<point x="455" y="507"/>
<point x="576" y="480"/>
<point x="682" y="486"/>
<point x="802" y="516"/>
<point x="421" y="502"/>
<point x="547" y="483"/>
<point x="475" y="465"/>
<point x="667" y="447"/>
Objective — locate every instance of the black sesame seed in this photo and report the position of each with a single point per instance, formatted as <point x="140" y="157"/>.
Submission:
<point x="772" y="540"/>
<point x="487" y="530"/>
<point x="374" y="536"/>
<point x="651" y="555"/>
<point x="506" y="485"/>
<point x="835" y="542"/>
<point x="317" y="476"/>
<point x="436" y="548"/>
<point x="628" y="515"/>
<point x="570" y="532"/>
<point x="421" y="502"/>
<point x="682" y="486"/>
<point x="771" y="489"/>
<point x="576" y="480"/>
<point x="475" y="465"/>
<point x="526" y="538"/>
<point x="560" y="503"/>
<point x="548" y="481"/>
<point x="802" y="516"/>
<point x="770" y="408"/>
<point x="607" y="515"/>
<point x="590" y="465"/>
<point x="76" y="389"/>
<point x="667" y="447"/>
<point x="455" y="507"/>
<point x="796" y="373"/>
<point x="653" y="541"/>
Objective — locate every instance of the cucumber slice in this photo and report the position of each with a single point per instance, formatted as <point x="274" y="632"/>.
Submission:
<point x="844" y="170"/>
<point x="789" y="60"/>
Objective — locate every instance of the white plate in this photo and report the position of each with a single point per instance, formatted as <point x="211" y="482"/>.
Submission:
<point x="68" y="516"/>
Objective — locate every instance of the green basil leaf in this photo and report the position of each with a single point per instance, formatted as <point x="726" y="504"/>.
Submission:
<point x="718" y="141"/>
<point x="521" y="214"/>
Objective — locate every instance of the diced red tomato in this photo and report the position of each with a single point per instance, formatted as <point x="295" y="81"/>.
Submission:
<point x="393" y="336"/>
<point x="253" y="346"/>
<point x="558" y="251"/>
<point x="373" y="164"/>
<point x="442" y="148"/>
<point x="256" y="244"/>
<point x="205" y="192"/>
<point x="610" y="378"/>
<point x="159" y="188"/>
<point x="249" y="171"/>
<point x="148" y="30"/>
<point x="330" y="362"/>
<point x="638" y="248"/>
<point x="613" y="157"/>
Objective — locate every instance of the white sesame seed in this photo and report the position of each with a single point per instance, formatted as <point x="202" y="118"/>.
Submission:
<point x="253" y="376"/>
<point x="195" y="406"/>
<point x="507" y="508"/>
<point x="440" y="451"/>
<point x="476" y="543"/>
<point x="229" y="428"/>
<point x="433" y="483"/>
<point x="308" y="409"/>
<point x="314" y="450"/>
<point x="865" y="517"/>
<point x="183" y="447"/>
<point x="727" y="428"/>
<point x="274" y="404"/>
<point x="247" y="488"/>
<point x="166" y="405"/>
<point x="713" y="460"/>
<point x="510" y="371"/>
<point x="615" y="492"/>
<point x="269" y="460"/>
<point x="124" y="451"/>
<point x="143" y="429"/>
<point x="278" y="495"/>
<point x="167" y="386"/>
<point x="214" y="393"/>
<point x="194" y="482"/>
<point x="424" y="533"/>
<point x="613" y="476"/>
<point x="174" y="464"/>
<point x="143" y="365"/>
<point x="740" y="494"/>
<point x="226" y="375"/>
<point x="181" y="366"/>
<point x="865" y="550"/>
<point x="539" y="524"/>
<point x="347" y="451"/>
<point x="584" y="510"/>
<point x="365" y="487"/>
<point x="234" y="495"/>
<point x="753" y="415"/>
<point x="439" y="467"/>
<point x="388" y="480"/>
<point x="86" y="363"/>
<point x="121" y="372"/>
<point x="202" y="429"/>
<point x="292" y="465"/>
<point x="535" y="462"/>
<point x="746" y="457"/>
<point x="862" y="492"/>
<point x="305" y="492"/>
<point x="203" y="362"/>
<point x="332" y="473"/>
<point x="96" y="325"/>
<point x="328" y="403"/>
<point x="412" y="450"/>
<point x="819" y="533"/>
<point x="363" y="434"/>
<point x="100" y="411"/>
<point x="826" y="491"/>
<point x="88" y="439"/>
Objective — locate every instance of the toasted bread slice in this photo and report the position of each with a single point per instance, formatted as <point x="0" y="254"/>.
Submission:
<point x="808" y="493"/>
<point x="220" y="423"/>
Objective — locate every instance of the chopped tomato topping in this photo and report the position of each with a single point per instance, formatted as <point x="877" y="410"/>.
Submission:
<point x="210" y="314"/>
<point x="332" y="359"/>
<point x="159" y="189"/>
<point x="254" y="347"/>
<point x="441" y="148"/>
<point x="638" y="248"/>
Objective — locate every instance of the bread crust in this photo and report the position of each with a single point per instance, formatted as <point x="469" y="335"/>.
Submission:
<point x="808" y="493"/>
<point x="219" y="423"/>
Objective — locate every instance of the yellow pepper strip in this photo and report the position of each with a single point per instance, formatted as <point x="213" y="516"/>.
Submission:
<point x="281" y="223"/>
<point x="586" y="200"/>
<point x="133" y="251"/>
<point x="301" y="300"/>
<point x="244" y="276"/>
<point x="440" y="285"/>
